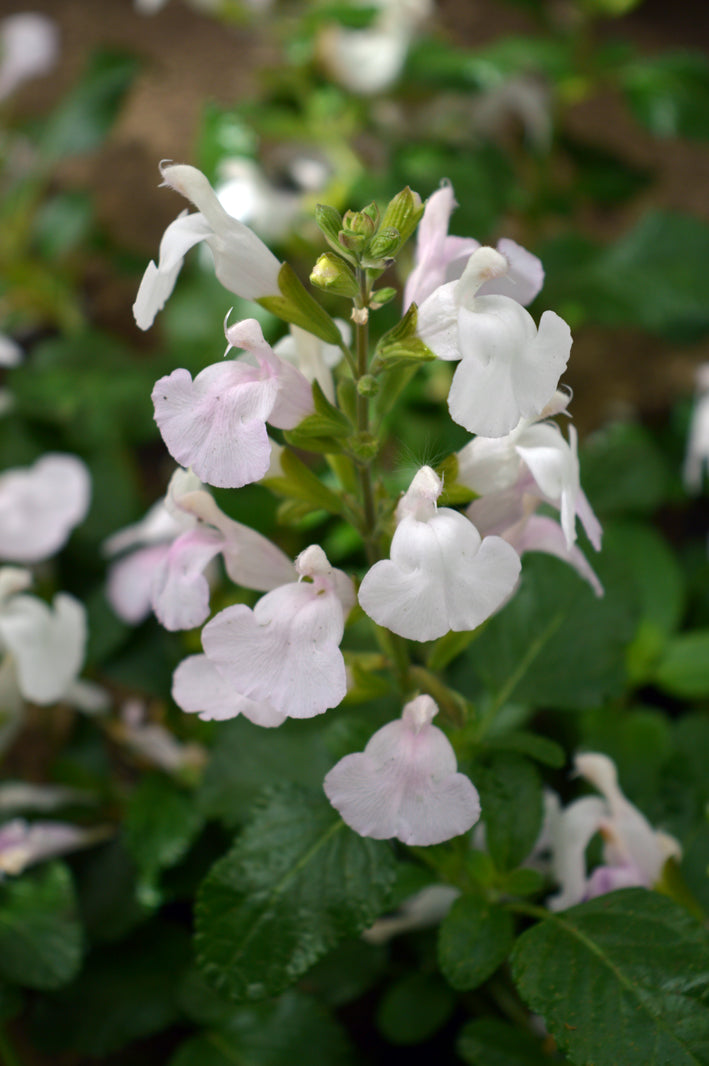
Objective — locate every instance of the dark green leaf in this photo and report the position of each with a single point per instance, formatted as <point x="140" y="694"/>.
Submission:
<point x="488" y="1042"/>
<point x="296" y="882"/>
<point x="623" y="978"/>
<point x="10" y="1001"/>
<point x="414" y="1008"/>
<point x="641" y="474"/>
<point x="161" y="822"/>
<point x="290" y="1030"/>
<point x="124" y="992"/>
<point x="556" y="643"/>
<point x="40" y="936"/>
<point x="541" y="749"/>
<point x="474" y="939"/>
<point x="512" y="808"/>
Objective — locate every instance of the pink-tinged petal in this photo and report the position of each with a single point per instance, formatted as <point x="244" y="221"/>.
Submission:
<point x="405" y="783"/>
<point x="242" y="262"/>
<point x="572" y="834"/>
<point x="440" y="577"/>
<point x="158" y="281"/>
<point x="420" y="911"/>
<point x="198" y="687"/>
<point x="47" y="644"/>
<point x="40" y="505"/>
<point x="606" y="879"/>
<point x="524" y="278"/>
<point x="542" y="534"/>
<point x="588" y="519"/>
<point x="312" y="357"/>
<point x="250" y="559"/>
<point x="502" y="514"/>
<point x="22" y="843"/>
<point x="554" y="466"/>
<point x="437" y="323"/>
<point x="217" y="424"/>
<point x="430" y="269"/>
<point x="130" y="582"/>
<point x="180" y="591"/>
<point x="286" y="651"/>
<point x="155" y="528"/>
<point x="22" y="796"/>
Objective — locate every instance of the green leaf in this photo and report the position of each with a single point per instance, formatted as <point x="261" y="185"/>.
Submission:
<point x="296" y="305"/>
<point x="684" y="668"/>
<point x="670" y="93"/>
<point x="623" y="978"/>
<point x="40" y="936"/>
<point x="296" y="882"/>
<point x="322" y="430"/>
<point x="641" y="473"/>
<point x="541" y="749"/>
<point x="161" y="822"/>
<point x="400" y="345"/>
<point x="628" y="283"/>
<point x="474" y="939"/>
<point x="300" y="483"/>
<point x="10" y="1001"/>
<point x="512" y="808"/>
<point x="292" y="1029"/>
<point x="84" y="118"/>
<point x="556" y="643"/>
<point x="126" y="991"/>
<point x="655" y="571"/>
<point x="247" y="758"/>
<point x="414" y="1008"/>
<point x="489" y="1042"/>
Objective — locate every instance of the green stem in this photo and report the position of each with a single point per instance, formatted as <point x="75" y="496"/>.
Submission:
<point x="364" y="472"/>
<point x="8" y="1055"/>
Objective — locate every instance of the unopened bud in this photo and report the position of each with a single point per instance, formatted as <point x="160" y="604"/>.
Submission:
<point x="368" y="385"/>
<point x="403" y="214"/>
<point x="360" y="222"/>
<point x="385" y="245"/>
<point x="334" y="275"/>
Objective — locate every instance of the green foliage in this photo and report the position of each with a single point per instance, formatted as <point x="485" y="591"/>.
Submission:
<point x="161" y="822"/>
<point x="511" y="797"/>
<point x="296" y="882"/>
<point x="669" y="93"/>
<point x="414" y="1008"/>
<point x="474" y="939"/>
<point x="41" y="940"/>
<point x="489" y="1042"/>
<point x="622" y="978"/>
<point x="556" y="644"/>
<point x="292" y="1028"/>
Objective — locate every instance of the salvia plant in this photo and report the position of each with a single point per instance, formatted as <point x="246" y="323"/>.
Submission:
<point x="407" y="795"/>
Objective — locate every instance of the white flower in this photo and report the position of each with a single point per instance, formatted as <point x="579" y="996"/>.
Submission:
<point x="23" y="844"/>
<point x="633" y="852"/>
<point x="40" y="505"/>
<point x="508" y="369"/>
<point x="285" y="652"/>
<point x="441" y="574"/>
<point x="242" y="262"/>
<point x="313" y="357"/>
<point x="405" y="783"/>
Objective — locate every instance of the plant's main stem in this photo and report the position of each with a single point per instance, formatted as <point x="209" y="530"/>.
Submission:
<point x="363" y="467"/>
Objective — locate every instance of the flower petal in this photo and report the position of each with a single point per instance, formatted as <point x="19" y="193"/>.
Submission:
<point x="40" y="505"/>
<point x="180" y="591"/>
<point x="47" y="644"/>
<point x="198" y="687"/>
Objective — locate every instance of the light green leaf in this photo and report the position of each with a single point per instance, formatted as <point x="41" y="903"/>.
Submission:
<point x="296" y="882"/>
<point x="40" y="936"/>
<point x="300" y="483"/>
<point x="623" y="978"/>
<point x="684" y="668"/>
<point x="474" y="939"/>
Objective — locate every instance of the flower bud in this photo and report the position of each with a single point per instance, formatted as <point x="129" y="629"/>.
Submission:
<point x="403" y="214"/>
<point x="333" y="274"/>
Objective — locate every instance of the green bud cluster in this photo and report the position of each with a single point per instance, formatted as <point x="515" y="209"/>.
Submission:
<point x="365" y="238"/>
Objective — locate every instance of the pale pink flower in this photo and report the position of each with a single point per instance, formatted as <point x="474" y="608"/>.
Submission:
<point x="175" y="543"/>
<point x="441" y="258"/>
<point x="40" y="505"/>
<point x="285" y="652"/>
<point x="313" y="357"/>
<point x="216" y="424"/>
<point x="508" y="369"/>
<point x="533" y="459"/>
<point x="198" y="687"/>
<point x="242" y="262"/>
<point x="405" y="783"/>
<point x="441" y="575"/>
<point x="633" y="852"/>
<point x="153" y="743"/>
